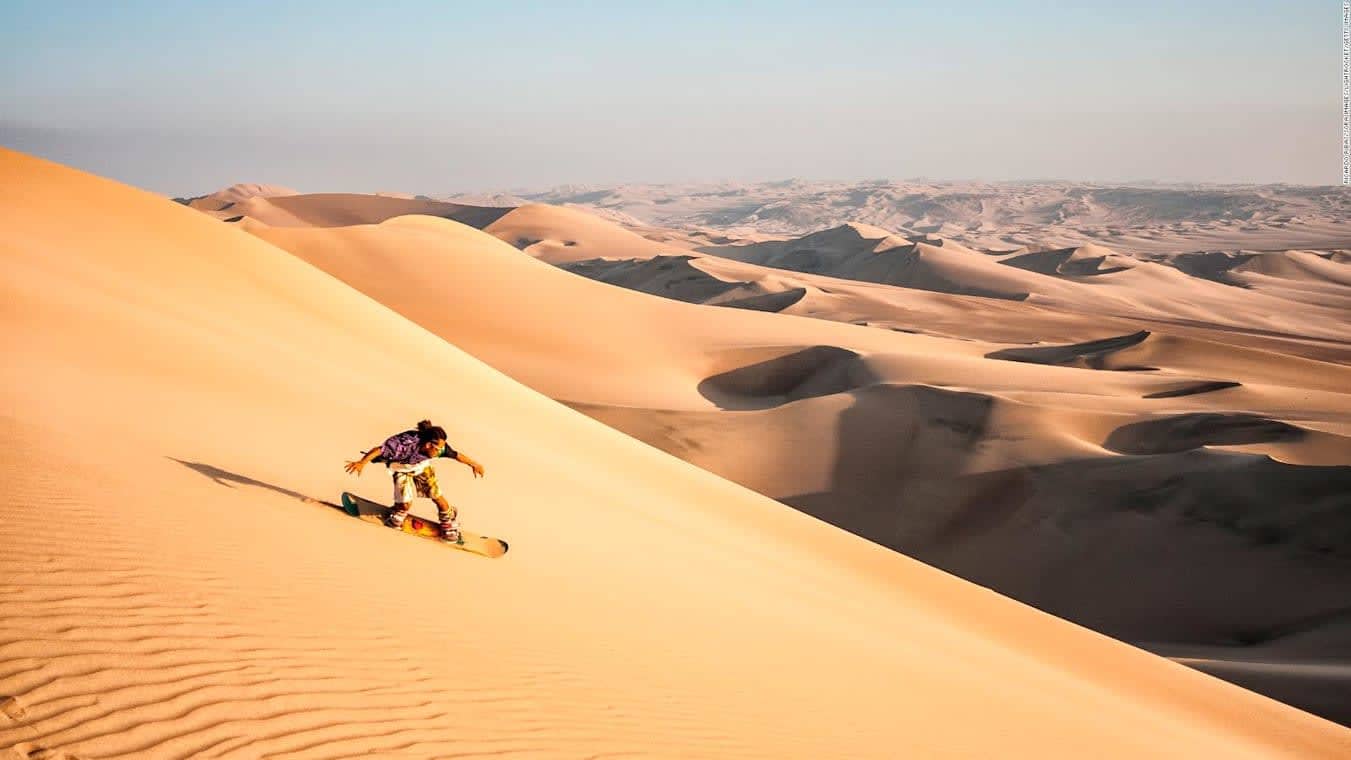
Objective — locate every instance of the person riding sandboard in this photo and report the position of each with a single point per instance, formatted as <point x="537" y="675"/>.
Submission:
<point x="408" y="456"/>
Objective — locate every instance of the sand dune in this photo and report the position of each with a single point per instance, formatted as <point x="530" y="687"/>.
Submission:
<point x="1154" y="219"/>
<point x="1118" y="286"/>
<point x="1143" y="351"/>
<point x="865" y="253"/>
<point x="551" y="233"/>
<point x="1291" y="265"/>
<point x="452" y="279"/>
<point x="339" y="209"/>
<point x="1305" y="320"/>
<point x="225" y="199"/>
<point x="170" y="592"/>
<point x="557" y="235"/>
<point x="1087" y="279"/>
<point x="1173" y="544"/>
<point x="174" y="595"/>
<point x="679" y="278"/>
<point x="703" y="278"/>
<point x="1082" y="261"/>
<point x="944" y="449"/>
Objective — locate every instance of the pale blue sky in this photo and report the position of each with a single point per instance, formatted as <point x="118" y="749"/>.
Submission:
<point x="436" y="97"/>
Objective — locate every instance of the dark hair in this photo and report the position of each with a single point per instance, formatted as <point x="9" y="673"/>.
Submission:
<point x="427" y="432"/>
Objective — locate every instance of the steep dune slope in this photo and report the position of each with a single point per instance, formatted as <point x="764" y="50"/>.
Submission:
<point x="168" y="593"/>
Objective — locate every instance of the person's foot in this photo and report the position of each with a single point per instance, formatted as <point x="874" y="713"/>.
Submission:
<point x="395" y="518"/>
<point x="450" y="532"/>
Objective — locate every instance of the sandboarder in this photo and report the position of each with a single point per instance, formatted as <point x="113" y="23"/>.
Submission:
<point x="408" y="456"/>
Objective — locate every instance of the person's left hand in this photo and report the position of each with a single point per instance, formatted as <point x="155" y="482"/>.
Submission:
<point x="477" y="468"/>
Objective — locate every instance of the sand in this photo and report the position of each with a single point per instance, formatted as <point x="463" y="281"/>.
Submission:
<point x="180" y="394"/>
<point x="1156" y="218"/>
<point x="1151" y="473"/>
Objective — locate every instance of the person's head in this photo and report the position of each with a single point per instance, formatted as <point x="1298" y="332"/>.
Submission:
<point x="431" y="438"/>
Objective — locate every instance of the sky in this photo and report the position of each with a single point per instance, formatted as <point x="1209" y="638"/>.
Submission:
<point x="429" y="97"/>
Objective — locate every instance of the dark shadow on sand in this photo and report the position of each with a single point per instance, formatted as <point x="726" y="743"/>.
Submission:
<point x="1230" y="550"/>
<point x="234" y="479"/>
<point x="763" y="378"/>
<point x="1092" y="354"/>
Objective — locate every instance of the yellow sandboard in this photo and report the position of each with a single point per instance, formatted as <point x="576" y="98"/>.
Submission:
<point x="373" y="512"/>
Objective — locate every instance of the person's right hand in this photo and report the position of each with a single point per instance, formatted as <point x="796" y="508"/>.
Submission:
<point x="356" y="467"/>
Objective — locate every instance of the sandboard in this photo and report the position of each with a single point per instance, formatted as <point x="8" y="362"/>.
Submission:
<point x="374" y="513"/>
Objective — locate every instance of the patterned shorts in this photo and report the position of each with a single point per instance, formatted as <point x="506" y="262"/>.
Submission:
<point x="408" y="484"/>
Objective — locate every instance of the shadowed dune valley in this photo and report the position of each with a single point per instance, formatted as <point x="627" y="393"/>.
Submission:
<point x="450" y="381"/>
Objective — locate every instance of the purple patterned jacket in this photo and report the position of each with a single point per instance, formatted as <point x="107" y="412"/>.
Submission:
<point x="403" y="448"/>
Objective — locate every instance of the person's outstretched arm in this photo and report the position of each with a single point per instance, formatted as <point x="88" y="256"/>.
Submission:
<point x="357" y="466"/>
<point x="463" y="458"/>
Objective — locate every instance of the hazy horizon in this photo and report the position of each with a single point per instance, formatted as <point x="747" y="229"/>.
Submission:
<point x="436" y="98"/>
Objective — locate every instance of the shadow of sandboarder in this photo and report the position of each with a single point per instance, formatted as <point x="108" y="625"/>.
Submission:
<point x="233" y="479"/>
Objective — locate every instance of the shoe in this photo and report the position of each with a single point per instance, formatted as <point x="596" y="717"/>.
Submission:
<point x="450" y="532"/>
<point x="395" y="518"/>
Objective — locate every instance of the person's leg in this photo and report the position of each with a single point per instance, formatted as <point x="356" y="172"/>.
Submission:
<point x="403" y="496"/>
<point x="450" y="523"/>
<point x="427" y="486"/>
